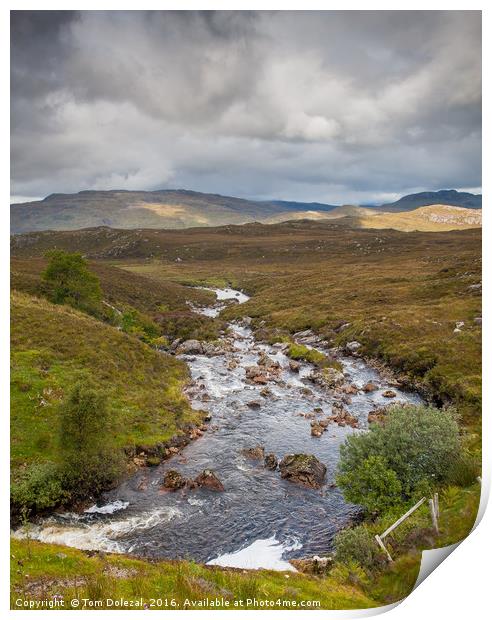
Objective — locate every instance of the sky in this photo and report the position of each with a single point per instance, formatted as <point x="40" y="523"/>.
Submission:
<point x="334" y="107"/>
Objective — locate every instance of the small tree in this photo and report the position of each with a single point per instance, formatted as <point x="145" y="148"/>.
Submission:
<point x="90" y="461"/>
<point x="415" y="447"/>
<point x="71" y="282"/>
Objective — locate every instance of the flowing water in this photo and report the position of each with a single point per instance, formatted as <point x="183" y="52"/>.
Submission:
<point x="259" y="520"/>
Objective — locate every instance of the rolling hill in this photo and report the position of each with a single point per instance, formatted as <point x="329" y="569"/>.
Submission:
<point x="177" y="209"/>
<point x="157" y="209"/>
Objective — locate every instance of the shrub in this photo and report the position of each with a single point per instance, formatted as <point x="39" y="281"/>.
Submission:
<point x="71" y="282"/>
<point x="355" y="544"/>
<point x="372" y="484"/>
<point x="90" y="460"/>
<point x="40" y="488"/>
<point x="419" y="444"/>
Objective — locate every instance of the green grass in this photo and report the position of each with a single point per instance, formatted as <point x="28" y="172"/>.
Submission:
<point x="53" y="347"/>
<point x="301" y="352"/>
<point x="40" y="570"/>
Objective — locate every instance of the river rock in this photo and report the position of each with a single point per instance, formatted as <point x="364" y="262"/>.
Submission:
<point x="173" y="480"/>
<point x="305" y="469"/>
<point x="175" y="344"/>
<point x="257" y="453"/>
<point x="316" y="429"/>
<point x="209" y="480"/>
<point x="271" y="461"/>
<point x="370" y="387"/>
<point x="353" y="346"/>
<point x="253" y="373"/>
<point x="328" y="378"/>
<point x="190" y="347"/>
<point x="294" y="365"/>
<point x="254" y="404"/>
<point x="209" y="349"/>
<point x="389" y="394"/>
<point x="349" y="388"/>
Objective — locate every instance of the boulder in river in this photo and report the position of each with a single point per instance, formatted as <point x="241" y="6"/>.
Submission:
<point x="294" y="365"/>
<point x="271" y="461"/>
<point x="254" y="404"/>
<point x="173" y="480"/>
<point x="305" y="469"/>
<point x="316" y="429"/>
<point x="209" y="480"/>
<point x="389" y="394"/>
<point x="328" y="378"/>
<point x="370" y="387"/>
<point x="256" y="374"/>
<point x="256" y="453"/>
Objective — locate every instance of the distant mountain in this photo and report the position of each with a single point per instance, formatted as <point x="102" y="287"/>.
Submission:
<point x="176" y="209"/>
<point x="442" y="197"/>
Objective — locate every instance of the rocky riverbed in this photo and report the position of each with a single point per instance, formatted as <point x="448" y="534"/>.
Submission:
<point x="231" y="497"/>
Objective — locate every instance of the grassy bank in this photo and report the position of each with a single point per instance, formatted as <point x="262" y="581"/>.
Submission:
<point x="54" y="347"/>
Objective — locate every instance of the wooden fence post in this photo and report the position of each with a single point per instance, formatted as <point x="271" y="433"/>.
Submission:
<point x="433" y="515"/>
<point x="381" y="544"/>
<point x="436" y="505"/>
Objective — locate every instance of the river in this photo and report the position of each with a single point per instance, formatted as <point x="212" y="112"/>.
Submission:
<point x="259" y="520"/>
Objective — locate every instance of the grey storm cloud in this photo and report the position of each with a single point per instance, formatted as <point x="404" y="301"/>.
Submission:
<point x="328" y="106"/>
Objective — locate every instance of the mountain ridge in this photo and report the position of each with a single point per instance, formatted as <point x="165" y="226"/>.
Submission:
<point x="181" y="208"/>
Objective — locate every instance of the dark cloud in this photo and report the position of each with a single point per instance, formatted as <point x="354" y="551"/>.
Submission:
<point x="330" y="106"/>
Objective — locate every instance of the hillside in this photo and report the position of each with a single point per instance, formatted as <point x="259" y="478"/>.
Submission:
<point x="177" y="209"/>
<point x="436" y="217"/>
<point x="120" y="288"/>
<point x="444" y="196"/>
<point x="49" y="355"/>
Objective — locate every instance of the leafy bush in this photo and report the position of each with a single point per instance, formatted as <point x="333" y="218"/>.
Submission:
<point x="355" y="544"/>
<point x="372" y="484"/>
<point x="39" y="489"/>
<point x="71" y="282"/>
<point x="419" y="444"/>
